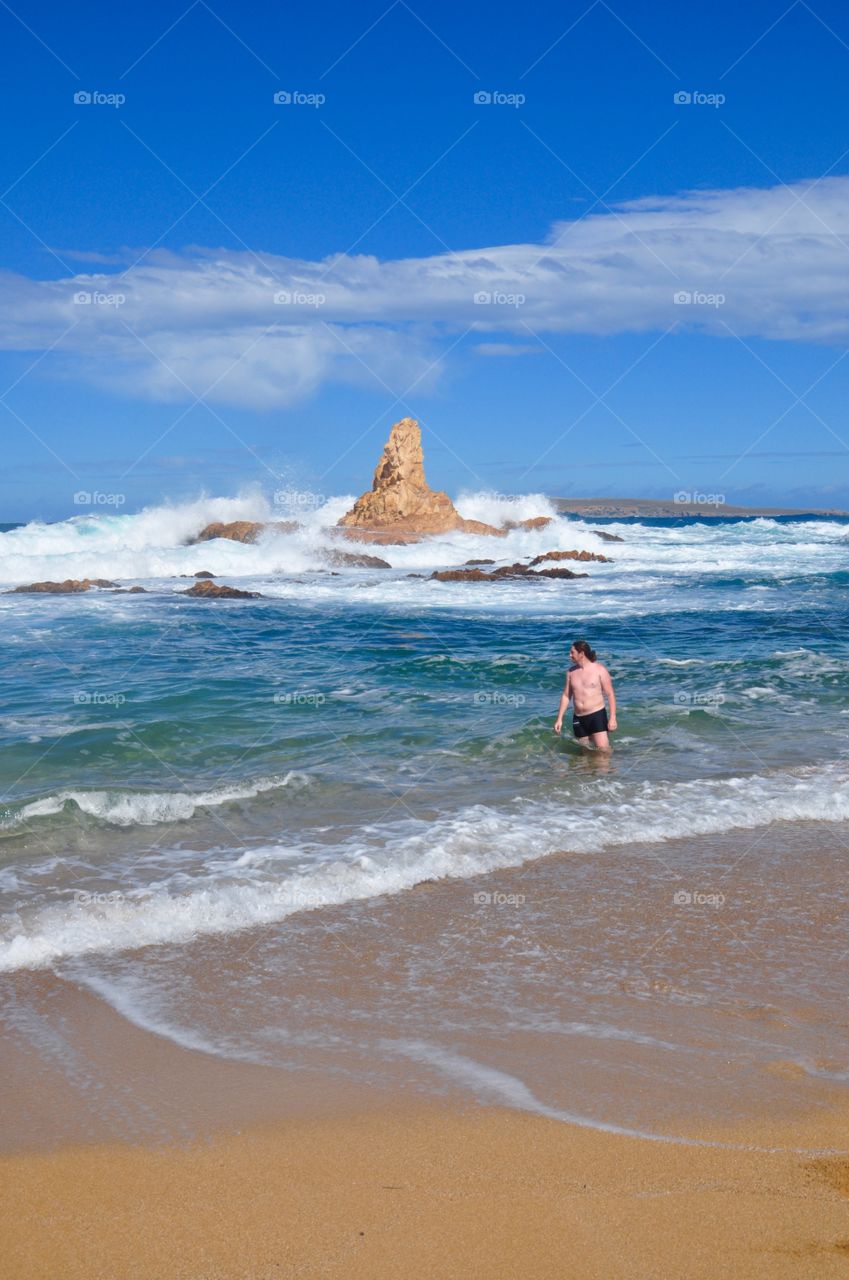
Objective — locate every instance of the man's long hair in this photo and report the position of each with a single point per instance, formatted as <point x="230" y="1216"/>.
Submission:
<point x="583" y="647"/>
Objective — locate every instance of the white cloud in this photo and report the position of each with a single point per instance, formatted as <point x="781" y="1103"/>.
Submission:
<point x="771" y="263"/>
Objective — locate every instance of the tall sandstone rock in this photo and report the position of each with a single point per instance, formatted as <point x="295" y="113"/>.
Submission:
<point x="401" y="506"/>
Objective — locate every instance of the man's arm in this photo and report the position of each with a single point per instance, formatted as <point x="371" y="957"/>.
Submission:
<point x="564" y="702"/>
<point x="607" y="688"/>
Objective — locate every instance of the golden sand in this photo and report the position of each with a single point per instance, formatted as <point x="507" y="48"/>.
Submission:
<point x="431" y="1193"/>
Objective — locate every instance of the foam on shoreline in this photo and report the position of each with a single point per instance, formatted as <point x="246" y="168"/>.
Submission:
<point x="267" y="884"/>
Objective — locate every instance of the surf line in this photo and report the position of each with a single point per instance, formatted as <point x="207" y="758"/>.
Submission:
<point x="514" y="1093"/>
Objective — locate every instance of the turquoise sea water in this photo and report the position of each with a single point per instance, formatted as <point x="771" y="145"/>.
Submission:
<point x="174" y="770"/>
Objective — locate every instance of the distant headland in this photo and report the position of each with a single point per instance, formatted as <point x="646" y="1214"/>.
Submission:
<point x="670" y="508"/>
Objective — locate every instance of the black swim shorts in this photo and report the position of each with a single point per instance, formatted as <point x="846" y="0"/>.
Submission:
<point x="595" y="722"/>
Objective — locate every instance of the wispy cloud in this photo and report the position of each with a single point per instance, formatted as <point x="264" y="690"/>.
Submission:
<point x="507" y="349"/>
<point x="262" y="330"/>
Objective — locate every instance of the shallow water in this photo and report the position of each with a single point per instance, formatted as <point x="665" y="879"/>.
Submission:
<point x="229" y="786"/>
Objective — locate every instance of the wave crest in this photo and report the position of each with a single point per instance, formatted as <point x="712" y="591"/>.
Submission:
<point x="147" y="808"/>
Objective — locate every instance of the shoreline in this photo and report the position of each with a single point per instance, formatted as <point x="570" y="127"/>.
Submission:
<point x="652" y="1017"/>
<point x="419" y="1191"/>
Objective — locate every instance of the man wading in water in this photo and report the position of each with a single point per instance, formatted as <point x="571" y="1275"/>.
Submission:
<point x="587" y="684"/>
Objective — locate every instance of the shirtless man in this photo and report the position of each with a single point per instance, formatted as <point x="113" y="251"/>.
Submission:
<point x="587" y="684"/>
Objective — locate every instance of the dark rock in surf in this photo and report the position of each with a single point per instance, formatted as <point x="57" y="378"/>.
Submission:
<point x="584" y="556"/>
<point x="216" y="591"/>
<point x="242" y="530"/>
<point x="71" y="586"/>
<point x="354" y="560"/>
<point x="507" y="572"/>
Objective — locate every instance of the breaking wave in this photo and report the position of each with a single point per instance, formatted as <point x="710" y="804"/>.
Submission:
<point x="266" y="885"/>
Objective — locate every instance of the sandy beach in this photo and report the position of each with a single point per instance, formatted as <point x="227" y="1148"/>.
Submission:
<point x="332" y="959"/>
<point x="428" y="1192"/>
<point x="412" y="868"/>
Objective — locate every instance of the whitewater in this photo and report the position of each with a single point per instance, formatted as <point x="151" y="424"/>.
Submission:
<point x="153" y="545"/>
<point x="360" y="730"/>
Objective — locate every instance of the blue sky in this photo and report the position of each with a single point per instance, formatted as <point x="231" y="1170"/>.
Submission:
<point x="578" y="204"/>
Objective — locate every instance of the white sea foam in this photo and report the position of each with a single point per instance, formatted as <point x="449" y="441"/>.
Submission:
<point x="146" y="808"/>
<point x="392" y="857"/>
<point x="500" y="508"/>
<point x="34" y="728"/>
<point x="488" y="1084"/>
<point x="135" y="1001"/>
<point x="151" y="545"/>
<point x="680" y="662"/>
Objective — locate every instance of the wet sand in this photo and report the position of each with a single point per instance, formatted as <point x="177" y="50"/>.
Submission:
<point x="201" y="1147"/>
<point x="424" y="1192"/>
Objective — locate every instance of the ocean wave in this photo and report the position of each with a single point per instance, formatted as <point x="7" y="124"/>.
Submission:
<point x="153" y="544"/>
<point x="499" y="508"/>
<point x="145" y="808"/>
<point x="680" y="662"/>
<point x="284" y="879"/>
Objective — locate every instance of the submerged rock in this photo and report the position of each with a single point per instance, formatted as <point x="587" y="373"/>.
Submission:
<point x="242" y="530"/>
<point x="235" y="531"/>
<point x="459" y="575"/>
<point x="535" y="522"/>
<point x="356" y="560"/>
<point x="71" y="586"/>
<point x="383" y="537"/>
<point x="606" y="537"/>
<point x="584" y="556"/>
<point x="557" y="573"/>
<point x="507" y="572"/>
<point x="217" y="591"/>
